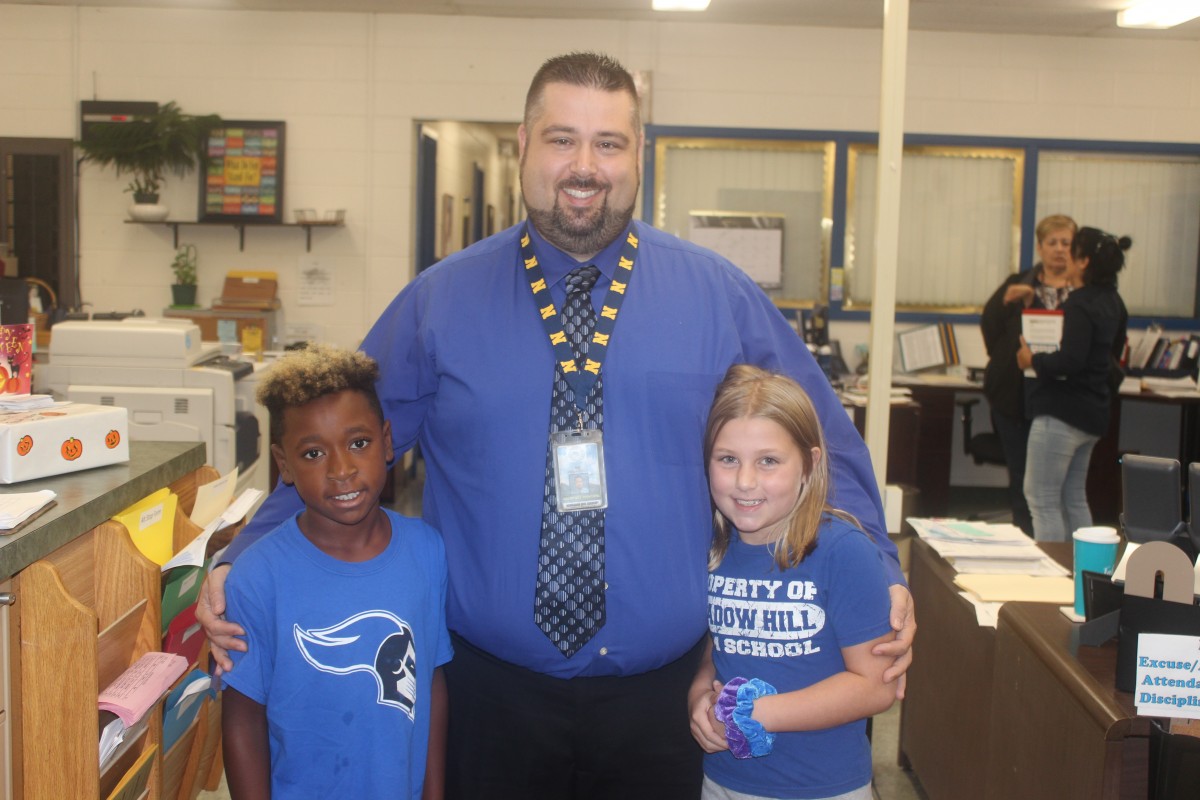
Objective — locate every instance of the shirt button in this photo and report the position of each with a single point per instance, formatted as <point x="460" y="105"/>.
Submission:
<point x="603" y="651"/>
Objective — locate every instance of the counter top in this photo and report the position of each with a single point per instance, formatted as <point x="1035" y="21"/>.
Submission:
<point x="87" y="498"/>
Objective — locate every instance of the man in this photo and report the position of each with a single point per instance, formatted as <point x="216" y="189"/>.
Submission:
<point x="597" y="707"/>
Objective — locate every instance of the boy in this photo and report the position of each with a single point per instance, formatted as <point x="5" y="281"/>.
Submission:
<point x="341" y="693"/>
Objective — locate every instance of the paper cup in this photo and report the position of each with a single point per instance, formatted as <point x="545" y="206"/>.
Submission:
<point x="1095" y="551"/>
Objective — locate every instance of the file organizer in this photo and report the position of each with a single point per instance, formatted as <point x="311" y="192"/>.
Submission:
<point x="88" y="611"/>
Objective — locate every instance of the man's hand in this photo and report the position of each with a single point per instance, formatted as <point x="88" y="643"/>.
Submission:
<point x="222" y="635"/>
<point x="904" y="622"/>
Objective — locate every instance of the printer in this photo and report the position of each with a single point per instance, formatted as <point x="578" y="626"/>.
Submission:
<point x="174" y="386"/>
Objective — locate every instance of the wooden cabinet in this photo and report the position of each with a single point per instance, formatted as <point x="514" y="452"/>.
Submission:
<point x="87" y="611"/>
<point x="6" y="692"/>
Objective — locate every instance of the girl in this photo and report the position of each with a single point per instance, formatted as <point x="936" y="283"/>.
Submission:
<point x="797" y="598"/>
<point x="1069" y="402"/>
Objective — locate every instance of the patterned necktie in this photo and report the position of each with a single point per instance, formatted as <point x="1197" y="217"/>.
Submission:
<point x="569" y="602"/>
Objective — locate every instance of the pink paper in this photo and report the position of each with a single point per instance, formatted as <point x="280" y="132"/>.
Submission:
<point x="142" y="685"/>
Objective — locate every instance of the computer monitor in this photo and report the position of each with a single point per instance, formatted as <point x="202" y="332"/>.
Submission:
<point x="927" y="347"/>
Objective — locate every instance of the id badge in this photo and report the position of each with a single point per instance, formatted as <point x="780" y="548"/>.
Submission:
<point x="579" y="470"/>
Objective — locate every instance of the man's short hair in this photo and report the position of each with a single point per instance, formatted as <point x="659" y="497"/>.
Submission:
<point x="589" y="70"/>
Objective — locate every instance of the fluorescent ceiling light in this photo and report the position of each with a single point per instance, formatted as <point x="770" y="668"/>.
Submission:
<point x="680" y="5"/>
<point x="1158" y="13"/>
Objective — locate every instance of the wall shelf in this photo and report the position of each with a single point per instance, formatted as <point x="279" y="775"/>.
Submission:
<point x="241" y="228"/>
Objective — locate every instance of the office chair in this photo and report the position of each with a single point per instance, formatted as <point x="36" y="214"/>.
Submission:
<point x="1150" y="499"/>
<point x="983" y="447"/>
<point x="1193" y="523"/>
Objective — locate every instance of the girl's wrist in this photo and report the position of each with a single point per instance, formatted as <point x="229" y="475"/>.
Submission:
<point x="746" y="736"/>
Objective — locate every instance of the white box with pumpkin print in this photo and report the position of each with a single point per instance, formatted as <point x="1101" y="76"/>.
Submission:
<point x="65" y="437"/>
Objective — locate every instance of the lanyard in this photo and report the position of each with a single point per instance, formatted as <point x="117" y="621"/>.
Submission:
<point x="582" y="380"/>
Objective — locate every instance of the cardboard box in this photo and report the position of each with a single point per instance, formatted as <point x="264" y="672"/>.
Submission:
<point x="245" y="290"/>
<point x="65" y="437"/>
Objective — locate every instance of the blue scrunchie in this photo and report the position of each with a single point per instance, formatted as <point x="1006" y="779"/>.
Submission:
<point x="746" y="737"/>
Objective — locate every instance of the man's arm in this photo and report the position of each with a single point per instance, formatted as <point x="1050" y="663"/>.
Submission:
<point x="281" y="504"/>
<point x="770" y="342"/>
<point x="223" y="635"/>
<point x="245" y="746"/>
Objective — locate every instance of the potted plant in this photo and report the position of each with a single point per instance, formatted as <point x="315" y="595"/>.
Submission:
<point x="183" y="291"/>
<point x="148" y="148"/>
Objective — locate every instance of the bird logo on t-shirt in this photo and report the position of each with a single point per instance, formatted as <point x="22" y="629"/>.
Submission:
<point x="377" y="642"/>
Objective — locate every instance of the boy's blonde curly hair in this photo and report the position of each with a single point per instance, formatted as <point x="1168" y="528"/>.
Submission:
<point x="303" y="376"/>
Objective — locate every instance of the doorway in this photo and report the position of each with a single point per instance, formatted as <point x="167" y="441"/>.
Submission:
<point x="37" y="214"/>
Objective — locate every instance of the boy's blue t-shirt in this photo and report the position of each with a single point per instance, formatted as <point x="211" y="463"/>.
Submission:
<point x="342" y="655"/>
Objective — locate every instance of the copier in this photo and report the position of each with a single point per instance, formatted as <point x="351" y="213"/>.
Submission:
<point x="175" y="387"/>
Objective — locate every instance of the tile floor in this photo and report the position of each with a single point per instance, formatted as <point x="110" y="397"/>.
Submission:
<point x="891" y="782"/>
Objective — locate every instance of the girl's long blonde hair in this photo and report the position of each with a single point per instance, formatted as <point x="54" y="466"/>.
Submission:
<point x="748" y="391"/>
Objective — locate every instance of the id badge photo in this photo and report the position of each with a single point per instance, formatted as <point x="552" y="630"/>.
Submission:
<point x="579" y="480"/>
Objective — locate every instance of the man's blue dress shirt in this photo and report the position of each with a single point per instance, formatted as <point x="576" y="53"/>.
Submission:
<point x="466" y="370"/>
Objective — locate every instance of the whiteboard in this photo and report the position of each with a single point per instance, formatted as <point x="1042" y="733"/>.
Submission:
<point x="753" y="242"/>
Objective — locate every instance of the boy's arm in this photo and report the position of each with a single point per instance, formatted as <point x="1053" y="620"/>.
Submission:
<point x="435" y="762"/>
<point x="245" y="746"/>
<point x="702" y="699"/>
<point x="856" y="693"/>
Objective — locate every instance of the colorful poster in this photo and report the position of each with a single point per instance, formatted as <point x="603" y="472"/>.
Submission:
<point x="244" y="177"/>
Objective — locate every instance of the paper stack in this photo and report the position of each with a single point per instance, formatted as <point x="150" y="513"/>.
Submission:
<point x="16" y="507"/>
<point x="25" y="402"/>
<point x="986" y="549"/>
<point x="132" y="694"/>
<point x="993" y="561"/>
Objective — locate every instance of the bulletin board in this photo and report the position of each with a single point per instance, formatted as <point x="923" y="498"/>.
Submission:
<point x="753" y="241"/>
<point x="244" y="176"/>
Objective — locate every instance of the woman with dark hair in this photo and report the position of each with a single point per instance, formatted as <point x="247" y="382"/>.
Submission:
<point x="1069" y="401"/>
<point x="1044" y="286"/>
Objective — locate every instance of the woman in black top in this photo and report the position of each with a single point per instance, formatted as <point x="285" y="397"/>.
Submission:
<point x="1044" y="286"/>
<point x="1070" y="400"/>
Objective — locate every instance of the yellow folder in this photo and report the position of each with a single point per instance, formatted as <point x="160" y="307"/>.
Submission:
<point x="151" y="524"/>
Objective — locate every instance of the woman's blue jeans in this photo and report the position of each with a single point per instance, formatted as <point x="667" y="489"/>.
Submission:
<point x="1056" y="467"/>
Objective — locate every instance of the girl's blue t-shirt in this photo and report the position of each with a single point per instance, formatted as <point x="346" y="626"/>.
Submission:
<point x="788" y="628"/>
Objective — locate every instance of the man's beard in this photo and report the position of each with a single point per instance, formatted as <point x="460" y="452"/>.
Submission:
<point x="580" y="231"/>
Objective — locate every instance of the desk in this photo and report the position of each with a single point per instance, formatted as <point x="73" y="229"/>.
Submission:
<point x="936" y="438"/>
<point x="945" y="717"/>
<point x="1010" y="713"/>
<point x="1060" y="730"/>
<point x="904" y="446"/>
